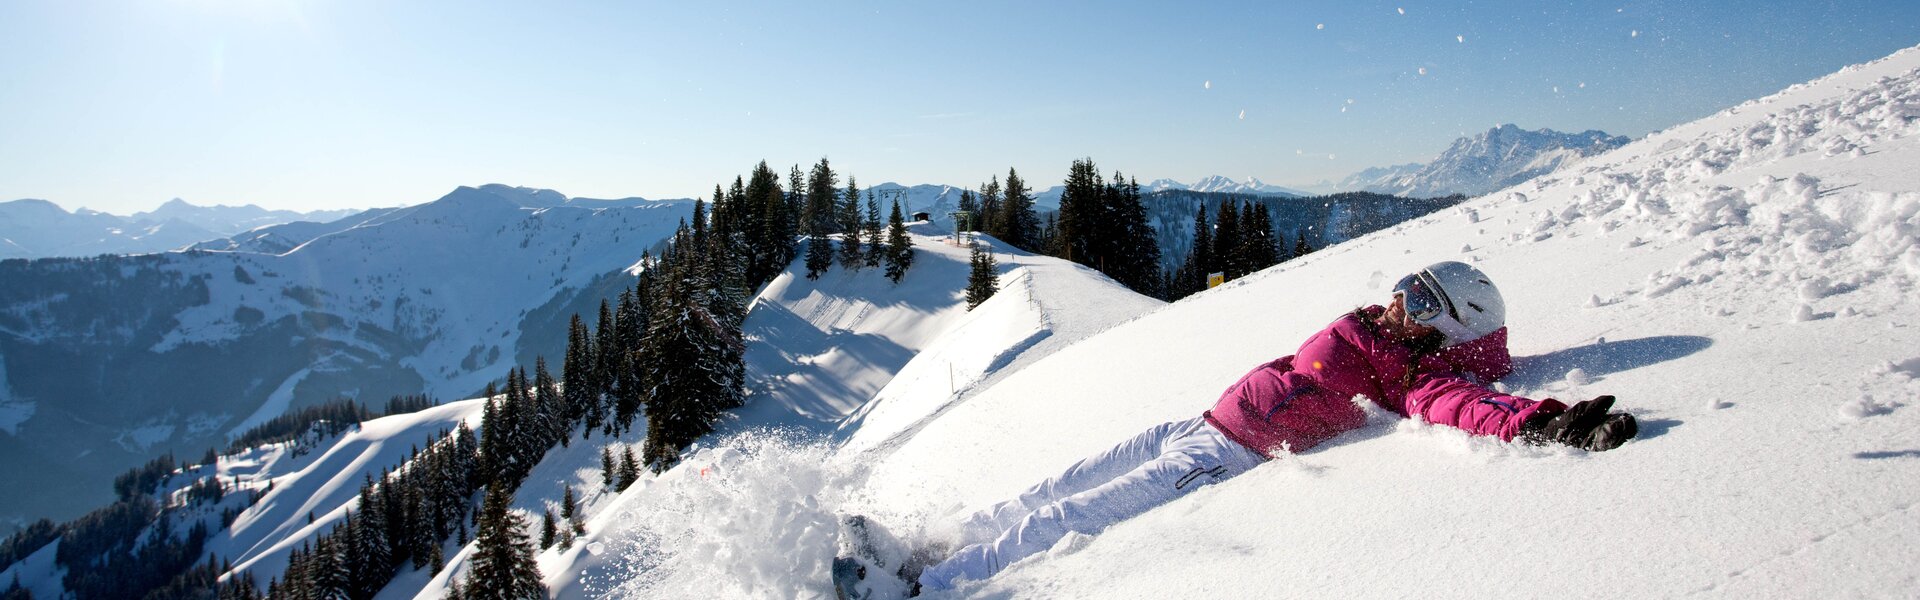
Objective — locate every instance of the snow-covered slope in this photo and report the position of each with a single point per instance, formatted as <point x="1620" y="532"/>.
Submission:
<point x="1742" y="283"/>
<point x="850" y="349"/>
<point x="324" y="483"/>
<point x="280" y="238"/>
<point x="1500" y="157"/>
<point x="819" y="351"/>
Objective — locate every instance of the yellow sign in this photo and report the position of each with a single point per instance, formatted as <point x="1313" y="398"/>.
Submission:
<point x="1215" y="279"/>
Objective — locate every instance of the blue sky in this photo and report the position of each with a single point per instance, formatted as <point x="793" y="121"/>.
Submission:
<point x="309" y="104"/>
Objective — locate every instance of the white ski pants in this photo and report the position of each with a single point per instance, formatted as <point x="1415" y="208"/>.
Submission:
<point x="1149" y="470"/>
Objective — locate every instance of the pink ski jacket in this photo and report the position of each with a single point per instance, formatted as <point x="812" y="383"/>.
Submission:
<point x="1296" y="402"/>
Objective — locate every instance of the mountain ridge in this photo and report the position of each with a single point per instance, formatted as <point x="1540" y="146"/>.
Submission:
<point x="1500" y="157"/>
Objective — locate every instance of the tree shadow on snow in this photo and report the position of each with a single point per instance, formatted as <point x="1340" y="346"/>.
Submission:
<point x="1602" y="359"/>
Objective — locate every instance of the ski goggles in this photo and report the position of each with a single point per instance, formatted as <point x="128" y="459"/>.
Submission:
<point x="1423" y="299"/>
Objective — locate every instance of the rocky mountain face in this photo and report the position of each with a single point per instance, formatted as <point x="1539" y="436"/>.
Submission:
<point x="1498" y="158"/>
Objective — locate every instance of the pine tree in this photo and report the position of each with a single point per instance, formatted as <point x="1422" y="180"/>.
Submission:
<point x="990" y="211"/>
<point x="529" y="435"/>
<point x="573" y="377"/>
<point x="548" y="530"/>
<point x="899" y="246"/>
<point x="629" y="469"/>
<point x="982" y="279"/>
<point x="493" y="436"/>
<point x="373" y="562"/>
<point x="1300" y="246"/>
<point x="1019" y="226"/>
<point x="722" y="212"/>
<point x="502" y="566"/>
<point x="606" y="349"/>
<point x="327" y="572"/>
<point x="554" y="426"/>
<point x="819" y="219"/>
<point x="1226" y="240"/>
<point x="1135" y="245"/>
<point x="1192" y="275"/>
<point x="570" y="512"/>
<point x="797" y="197"/>
<point x="968" y="204"/>
<point x="1078" y="218"/>
<point x="766" y="226"/>
<point x="630" y="324"/>
<point x="850" y="255"/>
<point x="876" y="245"/>
<point x="1258" y="246"/>
<point x="607" y="467"/>
<point x="1049" y="236"/>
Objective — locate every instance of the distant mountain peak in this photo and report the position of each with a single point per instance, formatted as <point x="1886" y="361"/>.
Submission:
<point x="1499" y="157"/>
<point x="1223" y="184"/>
<point x="34" y="204"/>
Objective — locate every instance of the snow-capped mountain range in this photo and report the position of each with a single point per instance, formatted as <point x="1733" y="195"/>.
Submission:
<point x="109" y="361"/>
<point x="1498" y="158"/>
<point x="1742" y="283"/>
<point x="38" y="228"/>
<point x="1218" y="184"/>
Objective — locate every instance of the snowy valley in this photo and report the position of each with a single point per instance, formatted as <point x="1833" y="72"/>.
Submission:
<point x="437" y="298"/>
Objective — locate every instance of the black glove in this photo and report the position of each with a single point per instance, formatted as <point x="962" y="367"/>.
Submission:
<point x="1585" y="425"/>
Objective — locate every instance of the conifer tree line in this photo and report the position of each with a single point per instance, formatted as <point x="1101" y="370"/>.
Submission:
<point x="671" y="347"/>
<point x="1103" y="225"/>
<point x="1239" y="241"/>
<point x="827" y="211"/>
<point x="1006" y="212"/>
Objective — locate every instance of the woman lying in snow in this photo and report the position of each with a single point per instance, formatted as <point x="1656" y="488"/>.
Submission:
<point x="1424" y="354"/>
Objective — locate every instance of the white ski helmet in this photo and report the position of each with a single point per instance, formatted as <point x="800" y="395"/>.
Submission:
<point x="1473" y="305"/>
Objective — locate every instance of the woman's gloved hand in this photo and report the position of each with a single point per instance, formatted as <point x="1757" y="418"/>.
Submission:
<point x="1585" y="425"/>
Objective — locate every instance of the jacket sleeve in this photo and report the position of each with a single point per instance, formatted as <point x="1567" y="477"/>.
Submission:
<point x="1446" y="398"/>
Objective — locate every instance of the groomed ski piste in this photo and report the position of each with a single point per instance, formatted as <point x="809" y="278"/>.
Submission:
<point x="1744" y="284"/>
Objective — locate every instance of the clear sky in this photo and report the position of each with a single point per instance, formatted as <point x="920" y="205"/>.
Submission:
<point x="310" y="104"/>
